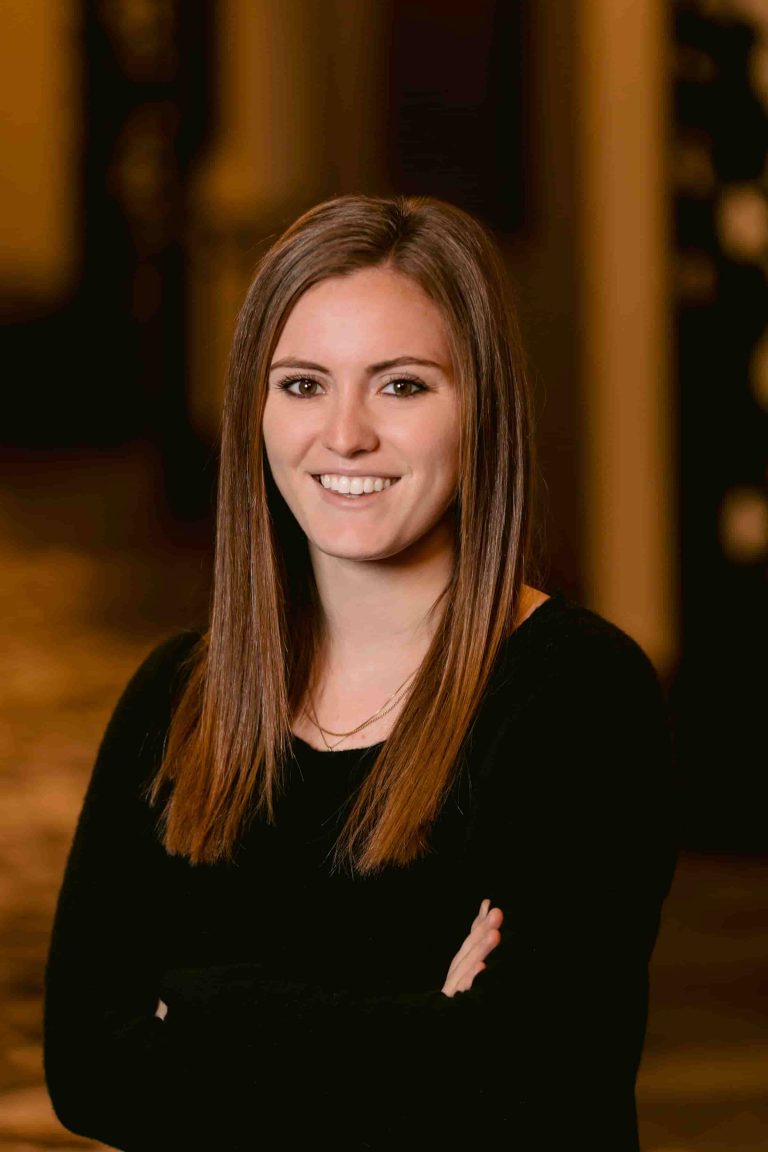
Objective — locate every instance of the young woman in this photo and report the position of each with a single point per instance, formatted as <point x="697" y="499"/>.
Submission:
<point x="379" y="858"/>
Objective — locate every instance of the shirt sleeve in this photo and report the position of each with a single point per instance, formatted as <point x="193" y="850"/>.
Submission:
<point x="595" y="819"/>
<point x="107" y="1059"/>
<point x="571" y="835"/>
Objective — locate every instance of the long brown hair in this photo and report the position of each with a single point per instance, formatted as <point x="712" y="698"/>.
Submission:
<point x="230" y="735"/>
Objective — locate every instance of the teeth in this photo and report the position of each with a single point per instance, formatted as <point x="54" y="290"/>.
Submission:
<point x="354" y="485"/>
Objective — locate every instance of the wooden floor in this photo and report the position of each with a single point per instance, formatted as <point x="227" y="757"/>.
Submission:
<point x="84" y="598"/>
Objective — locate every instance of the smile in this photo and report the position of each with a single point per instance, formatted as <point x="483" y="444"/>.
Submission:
<point x="355" y="485"/>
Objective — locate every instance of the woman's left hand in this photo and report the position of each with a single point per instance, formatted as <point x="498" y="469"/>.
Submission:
<point x="162" y="1010"/>
<point x="469" y="961"/>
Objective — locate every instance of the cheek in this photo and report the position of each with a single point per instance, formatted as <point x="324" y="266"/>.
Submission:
<point x="443" y="449"/>
<point x="433" y="437"/>
<point x="277" y="435"/>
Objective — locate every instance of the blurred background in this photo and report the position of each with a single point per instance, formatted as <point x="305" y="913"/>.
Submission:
<point x="149" y="149"/>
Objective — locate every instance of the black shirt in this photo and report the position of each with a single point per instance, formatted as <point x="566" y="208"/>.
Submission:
<point x="304" y="1004"/>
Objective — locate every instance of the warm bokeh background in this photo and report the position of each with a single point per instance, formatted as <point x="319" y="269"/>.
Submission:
<point x="619" y="149"/>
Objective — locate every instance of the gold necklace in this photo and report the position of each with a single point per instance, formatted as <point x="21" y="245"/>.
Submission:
<point x="386" y="707"/>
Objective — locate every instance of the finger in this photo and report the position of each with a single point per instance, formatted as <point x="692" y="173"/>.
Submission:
<point x="483" y="947"/>
<point x="495" y="918"/>
<point x="462" y="981"/>
<point x="469" y="978"/>
<point x="479" y="950"/>
<point x="486" y="918"/>
<point x="480" y="917"/>
<point x="481" y="913"/>
<point x="463" y="971"/>
<point x="467" y="946"/>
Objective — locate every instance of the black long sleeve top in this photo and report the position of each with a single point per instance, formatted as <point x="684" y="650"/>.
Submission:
<point x="304" y="1005"/>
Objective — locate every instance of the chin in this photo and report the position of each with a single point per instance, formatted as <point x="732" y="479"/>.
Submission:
<point x="352" y="551"/>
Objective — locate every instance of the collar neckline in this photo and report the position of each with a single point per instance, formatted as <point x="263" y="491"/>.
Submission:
<point x="556" y="598"/>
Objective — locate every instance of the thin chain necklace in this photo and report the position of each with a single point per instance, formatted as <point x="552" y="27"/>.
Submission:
<point x="386" y="707"/>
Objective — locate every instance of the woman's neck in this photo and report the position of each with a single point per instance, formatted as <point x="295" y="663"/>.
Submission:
<point x="382" y="613"/>
<point x="380" y="618"/>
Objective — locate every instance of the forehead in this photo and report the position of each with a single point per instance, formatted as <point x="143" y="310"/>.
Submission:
<point x="374" y="312"/>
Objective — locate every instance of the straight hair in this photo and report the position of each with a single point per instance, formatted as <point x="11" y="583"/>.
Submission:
<point x="230" y="737"/>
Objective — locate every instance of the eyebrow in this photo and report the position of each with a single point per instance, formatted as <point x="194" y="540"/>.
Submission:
<point x="381" y="366"/>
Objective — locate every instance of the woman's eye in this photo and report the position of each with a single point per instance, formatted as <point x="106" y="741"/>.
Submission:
<point x="404" y="386"/>
<point x="299" y="386"/>
<point x="307" y="386"/>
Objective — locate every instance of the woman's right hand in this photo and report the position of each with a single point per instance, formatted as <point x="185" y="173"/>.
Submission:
<point x="483" y="937"/>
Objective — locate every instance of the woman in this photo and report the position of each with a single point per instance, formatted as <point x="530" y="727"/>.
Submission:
<point x="379" y="859"/>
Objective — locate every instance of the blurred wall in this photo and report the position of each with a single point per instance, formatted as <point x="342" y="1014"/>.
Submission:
<point x="39" y="142"/>
<point x="629" y="481"/>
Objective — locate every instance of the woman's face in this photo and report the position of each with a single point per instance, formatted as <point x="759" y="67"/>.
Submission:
<point x="361" y="424"/>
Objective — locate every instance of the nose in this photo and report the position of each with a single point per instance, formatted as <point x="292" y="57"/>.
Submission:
<point x="349" y="427"/>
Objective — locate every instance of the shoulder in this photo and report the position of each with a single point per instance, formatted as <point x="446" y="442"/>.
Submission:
<point x="163" y="670"/>
<point x="564" y="647"/>
<point x="579" y="742"/>
<point x="141" y="716"/>
<point x="572" y="686"/>
<point x="132" y="745"/>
